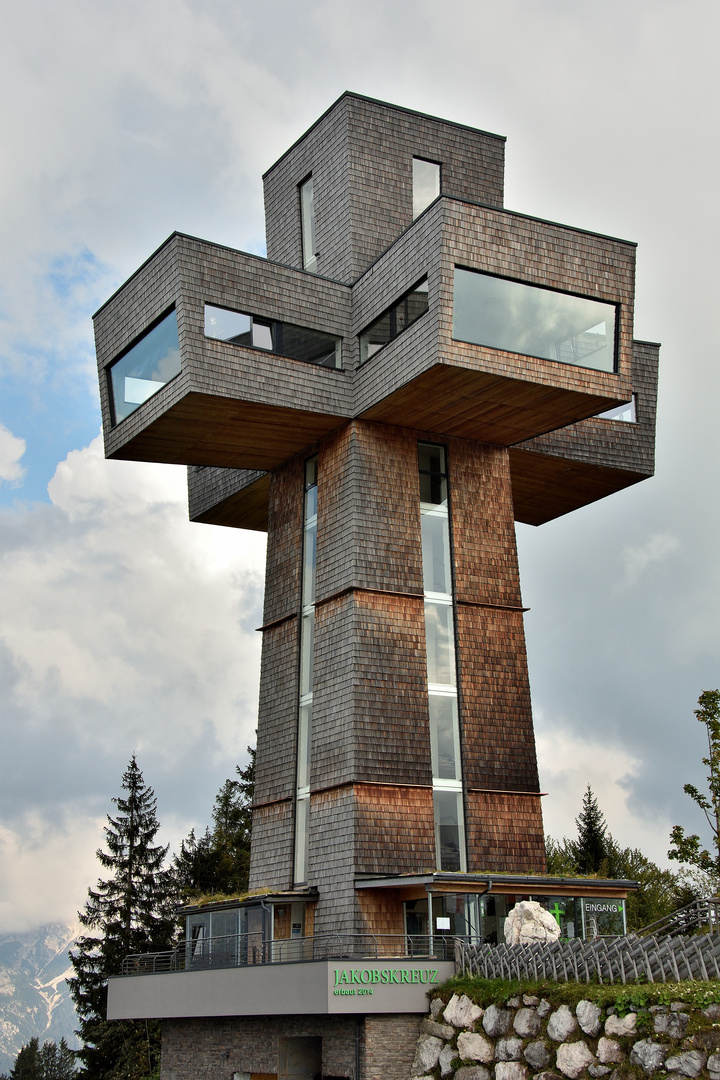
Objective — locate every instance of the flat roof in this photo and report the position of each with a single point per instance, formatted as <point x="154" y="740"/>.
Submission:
<point x="270" y="896"/>
<point x="384" y="105"/>
<point x="475" y="882"/>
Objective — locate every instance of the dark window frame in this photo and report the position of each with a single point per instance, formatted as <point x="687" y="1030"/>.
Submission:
<point x="276" y="327"/>
<point x="391" y="312"/>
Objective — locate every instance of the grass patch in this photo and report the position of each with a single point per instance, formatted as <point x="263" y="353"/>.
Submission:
<point x="630" y="997"/>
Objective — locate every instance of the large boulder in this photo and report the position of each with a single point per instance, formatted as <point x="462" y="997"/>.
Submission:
<point x="650" y="1056"/>
<point x="529" y="921"/>
<point x="588" y="1016"/>
<point x="527" y="1023"/>
<point x="573" y="1059"/>
<point x="473" y="1047"/>
<point x="427" y="1053"/>
<point x="561" y="1024"/>
<point x="496" y="1021"/>
<point x="461" y="1012"/>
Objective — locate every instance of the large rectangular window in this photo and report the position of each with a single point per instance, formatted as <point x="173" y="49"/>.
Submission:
<point x="509" y="315"/>
<point x="307" y="644"/>
<point x="392" y="322"/>
<point x="440" y="655"/>
<point x="145" y="368"/>
<point x="284" y="339"/>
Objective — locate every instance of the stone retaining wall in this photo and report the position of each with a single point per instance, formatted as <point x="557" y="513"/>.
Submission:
<point x="530" y="1038"/>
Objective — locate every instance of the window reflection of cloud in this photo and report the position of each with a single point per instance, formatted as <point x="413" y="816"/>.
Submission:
<point x="522" y="318"/>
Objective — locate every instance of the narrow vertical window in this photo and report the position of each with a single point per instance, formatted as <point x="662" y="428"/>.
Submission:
<point x="426" y="184"/>
<point x="307" y="641"/>
<point x="307" y="224"/>
<point x="440" y="645"/>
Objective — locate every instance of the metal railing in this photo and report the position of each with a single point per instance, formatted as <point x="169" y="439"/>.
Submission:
<point x="247" y="950"/>
<point x="605" y="960"/>
<point x="690" y="919"/>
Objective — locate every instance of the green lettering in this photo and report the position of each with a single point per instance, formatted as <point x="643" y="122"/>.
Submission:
<point x="433" y="976"/>
<point x="354" y="976"/>
<point x="394" y="976"/>
<point x="415" y="975"/>
<point x="337" y="976"/>
<point x="365" y="976"/>
<point x="406" y="976"/>
<point x="344" y="977"/>
<point x="384" y="976"/>
<point x="425" y="973"/>
<point x="375" y="975"/>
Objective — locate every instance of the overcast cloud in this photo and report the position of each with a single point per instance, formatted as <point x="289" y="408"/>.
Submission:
<point x="123" y="628"/>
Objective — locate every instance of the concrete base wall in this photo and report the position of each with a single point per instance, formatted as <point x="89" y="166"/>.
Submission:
<point x="215" y="1048"/>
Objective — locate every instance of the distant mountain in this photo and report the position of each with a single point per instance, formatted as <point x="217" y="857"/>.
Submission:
<point x="34" y="998"/>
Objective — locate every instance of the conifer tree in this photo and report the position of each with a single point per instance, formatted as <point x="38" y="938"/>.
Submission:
<point x="128" y="912"/>
<point x="57" y="1061"/>
<point x="219" y="860"/>
<point x="689" y="849"/>
<point x="46" y="1062"/>
<point x="27" y="1064"/>
<point x="591" y="846"/>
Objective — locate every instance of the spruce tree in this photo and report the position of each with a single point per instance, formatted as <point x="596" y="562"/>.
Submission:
<point x="57" y="1061"/>
<point x="128" y="912"/>
<point x="591" y="847"/>
<point x="218" y="862"/>
<point x="46" y="1062"/>
<point x="28" y="1065"/>
<point x="689" y="849"/>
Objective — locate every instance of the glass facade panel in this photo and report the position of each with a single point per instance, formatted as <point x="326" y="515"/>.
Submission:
<point x="224" y="923"/>
<point x="262" y="336"/>
<point x="302" y="806"/>
<point x="307" y="225"/>
<point x="449" y="840"/>
<point x="392" y="322"/>
<point x="426" y="184"/>
<point x="145" y="368"/>
<point x="440" y="642"/>
<point x="509" y="315"/>
<point x="307" y="641"/>
<point x="309" y="564"/>
<point x="440" y="656"/>
<point x="602" y="916"/>
<point x="304" y="743"/>
<point x="283" y="339"/>
<point x="224" y="325"/>
<point x="444" y="736"/>
<point x="436" y="552"/>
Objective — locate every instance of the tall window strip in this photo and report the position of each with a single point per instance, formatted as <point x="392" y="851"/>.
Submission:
<point x="441" y="670"/>
<point x="307" y="640"/>
<point x="307" y="225"/>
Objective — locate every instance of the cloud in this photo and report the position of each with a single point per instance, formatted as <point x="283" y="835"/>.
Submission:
<point x="34" y="855"/>
<point x="124" y="628"/>
<point x="568" y="762"/>
<point x="11" y="450"/>
<point x="637" y="559"/>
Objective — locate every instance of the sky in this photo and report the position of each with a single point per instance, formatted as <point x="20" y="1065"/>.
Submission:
<point x="124" y="628"/>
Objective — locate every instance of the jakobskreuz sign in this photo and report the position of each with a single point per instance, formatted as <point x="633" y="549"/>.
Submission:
<point x="390" y="986"/>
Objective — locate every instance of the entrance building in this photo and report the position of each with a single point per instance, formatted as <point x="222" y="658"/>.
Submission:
<point x="411" y="369"/>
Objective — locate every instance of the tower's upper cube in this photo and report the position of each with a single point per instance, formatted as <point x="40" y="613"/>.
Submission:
<point x="364" y="170"/>
<point x="396" y="289"/>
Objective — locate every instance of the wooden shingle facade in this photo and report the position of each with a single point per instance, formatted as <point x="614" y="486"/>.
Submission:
<point x="515" y="431"/>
